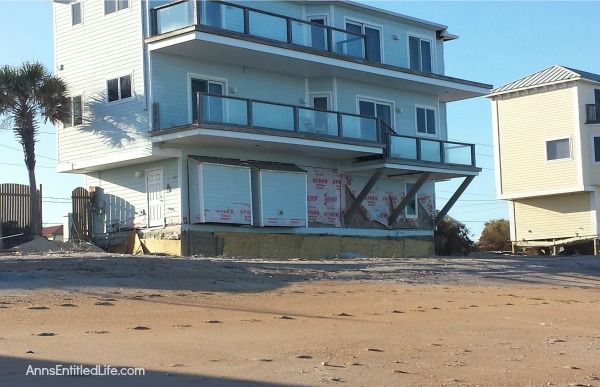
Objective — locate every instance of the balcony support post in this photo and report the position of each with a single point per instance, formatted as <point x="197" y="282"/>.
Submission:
<point x="362" y="195"/>
<point x="296" y="119"/>
<point x="340" y="128"/>
<point x="246" y="21"/>
<point x="410" y="195"/>
<point x="249" y="114"/>
<point x="444" y="211"/>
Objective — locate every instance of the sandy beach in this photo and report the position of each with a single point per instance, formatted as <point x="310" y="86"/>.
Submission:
<point x="379" y="322"/>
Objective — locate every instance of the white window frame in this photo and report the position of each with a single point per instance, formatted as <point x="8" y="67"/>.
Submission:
<point x="325" y="17"/>
<point x="433" y="51"/>
<point x="118" y="77"/>
<point x="436" y="119"/>
<point x="202" y="77"/>
<point x="570" y="139"/>
<point x="594" y="148"/>
<point x="321" y="94"/>
<point x="376" y="100"/>
<point x="364" y="24"/>
<point x="73" y="95"/>
<point x="117" y="11"/>
<point x="80" y="14"/>
<point x="416" y="201"/>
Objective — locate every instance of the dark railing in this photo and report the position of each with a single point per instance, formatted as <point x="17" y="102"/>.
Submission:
<point x="249" y="21"/>
<point x="592" y="114"/>
<point x="282" y="118"/>
<point x="431" y="151"/>
<point x="232" y="111"/>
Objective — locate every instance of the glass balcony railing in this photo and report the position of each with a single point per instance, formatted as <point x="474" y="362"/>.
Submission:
<point x="225" y="110"/>
<point x="430" y="151"/>
<point x="260" y="24"/>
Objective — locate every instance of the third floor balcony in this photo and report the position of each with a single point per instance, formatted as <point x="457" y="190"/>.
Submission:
<point x="233" y="34"/>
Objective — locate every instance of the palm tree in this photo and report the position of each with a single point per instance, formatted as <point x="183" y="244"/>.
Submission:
<point x="28" y="93"/>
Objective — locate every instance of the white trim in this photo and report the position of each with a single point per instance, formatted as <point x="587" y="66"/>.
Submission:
<point x="577" y="145"/>
<point x="416" y="201"/>
<point x="162" y="196"/>
<point x="549" y="192"/>
<point x="496" y="143"/>
<point x="201" y="77"/>
<point x="435" y="135"/>
<point x="267" y="138"/>
<point x="117" y="11"/>
<point x="364" y="24"/>
<point x="118" y="77"/>
<point x="377" y="100"/>
<point x="319" y="94"/>
<point x="323" y="16"/>
<point x="80" y="24"/>
<point x="594" y="212"/>
<point x="351" y="169"/>
<point x="431" y="41"/>
<point x="511" y="221"/>
<point x="334" y="84"/>
<point x="562" y="159"/>
<point x="594" y="161"/>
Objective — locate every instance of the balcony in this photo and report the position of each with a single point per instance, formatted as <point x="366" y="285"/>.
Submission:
<point x="241" y="36"/>
<point x="225" y="121"/>
<point x="592" y="114"/>
<point x="258" y="24"/>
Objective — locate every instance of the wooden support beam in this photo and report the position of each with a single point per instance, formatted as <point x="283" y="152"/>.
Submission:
<point x="362" y="195"/>
<point x="409" y="197"/>
<point x="440" y="216"/>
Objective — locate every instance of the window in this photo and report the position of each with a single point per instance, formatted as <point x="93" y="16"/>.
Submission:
<point x="213" y="106"/>
<point x="425" y="121"/>
<point x="112" y="6"/>
<point x="558" y="149"/>
<point x="373" y="38"/>
<point x="376" y="109"/>
<point x="119" y="88"/>
<point x="597" y="149"/>
<point x="318" y="35"/>
<point x="411" y="208"/>
<point x="420" y="54"/>
<point x="75" y="116"/>
<point x="76" y="14"/>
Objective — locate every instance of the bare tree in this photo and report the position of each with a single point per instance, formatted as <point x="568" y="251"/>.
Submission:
<point x="29" y="94"/>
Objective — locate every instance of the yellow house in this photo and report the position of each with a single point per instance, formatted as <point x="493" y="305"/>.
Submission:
<point x="547" y="154"/>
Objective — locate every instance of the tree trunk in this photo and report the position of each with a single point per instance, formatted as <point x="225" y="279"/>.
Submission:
<point x="35" y="214"/>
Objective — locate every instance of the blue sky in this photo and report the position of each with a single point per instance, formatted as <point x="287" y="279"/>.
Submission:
<point x="499" y="42"/>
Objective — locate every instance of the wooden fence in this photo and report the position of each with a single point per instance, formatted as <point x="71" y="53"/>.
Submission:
<point x="15" y="203"/>
<point x="82" y="220"/>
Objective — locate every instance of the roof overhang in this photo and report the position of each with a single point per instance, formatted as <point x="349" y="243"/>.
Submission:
<point x="230" y="48"/>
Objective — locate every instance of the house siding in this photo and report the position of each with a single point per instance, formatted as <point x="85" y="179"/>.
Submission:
<point x="123" y="195"/>
<point x="101" y="48"/>
<point x="591" y="168"/>
<point x="171" y="85"/>
<point x="549" y="217"/>
<point x="525" y="124"/>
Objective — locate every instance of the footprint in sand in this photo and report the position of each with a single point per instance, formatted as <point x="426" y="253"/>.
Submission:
<point x="69" y="305"/>
<point x="98" y="332"/>
<point x="141" y="328"/>
<point x="46" y="334"/>
<point x="38" y="307"/>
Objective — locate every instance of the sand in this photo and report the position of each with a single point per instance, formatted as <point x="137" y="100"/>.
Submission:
<point x="370" y="322"/>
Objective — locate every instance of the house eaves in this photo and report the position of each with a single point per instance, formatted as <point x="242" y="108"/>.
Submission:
<point x="440" y="29"/>
<point x="550" y="76"/>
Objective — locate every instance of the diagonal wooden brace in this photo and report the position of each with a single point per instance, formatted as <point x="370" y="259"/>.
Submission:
<point x="362" y="195"/>
<point x="409" y="197"/>
<point x="453" y="200"/>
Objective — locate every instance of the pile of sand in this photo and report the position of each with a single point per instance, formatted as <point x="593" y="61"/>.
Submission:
<point x="42" y="245"/>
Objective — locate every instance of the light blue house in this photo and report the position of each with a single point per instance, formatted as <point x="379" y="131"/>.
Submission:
<point x="260" y="128"/>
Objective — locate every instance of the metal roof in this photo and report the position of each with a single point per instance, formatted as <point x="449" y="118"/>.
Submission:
<point x="551" y="75"/>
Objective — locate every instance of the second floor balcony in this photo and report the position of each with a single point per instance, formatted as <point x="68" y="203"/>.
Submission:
<point x="225" y="121"/>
